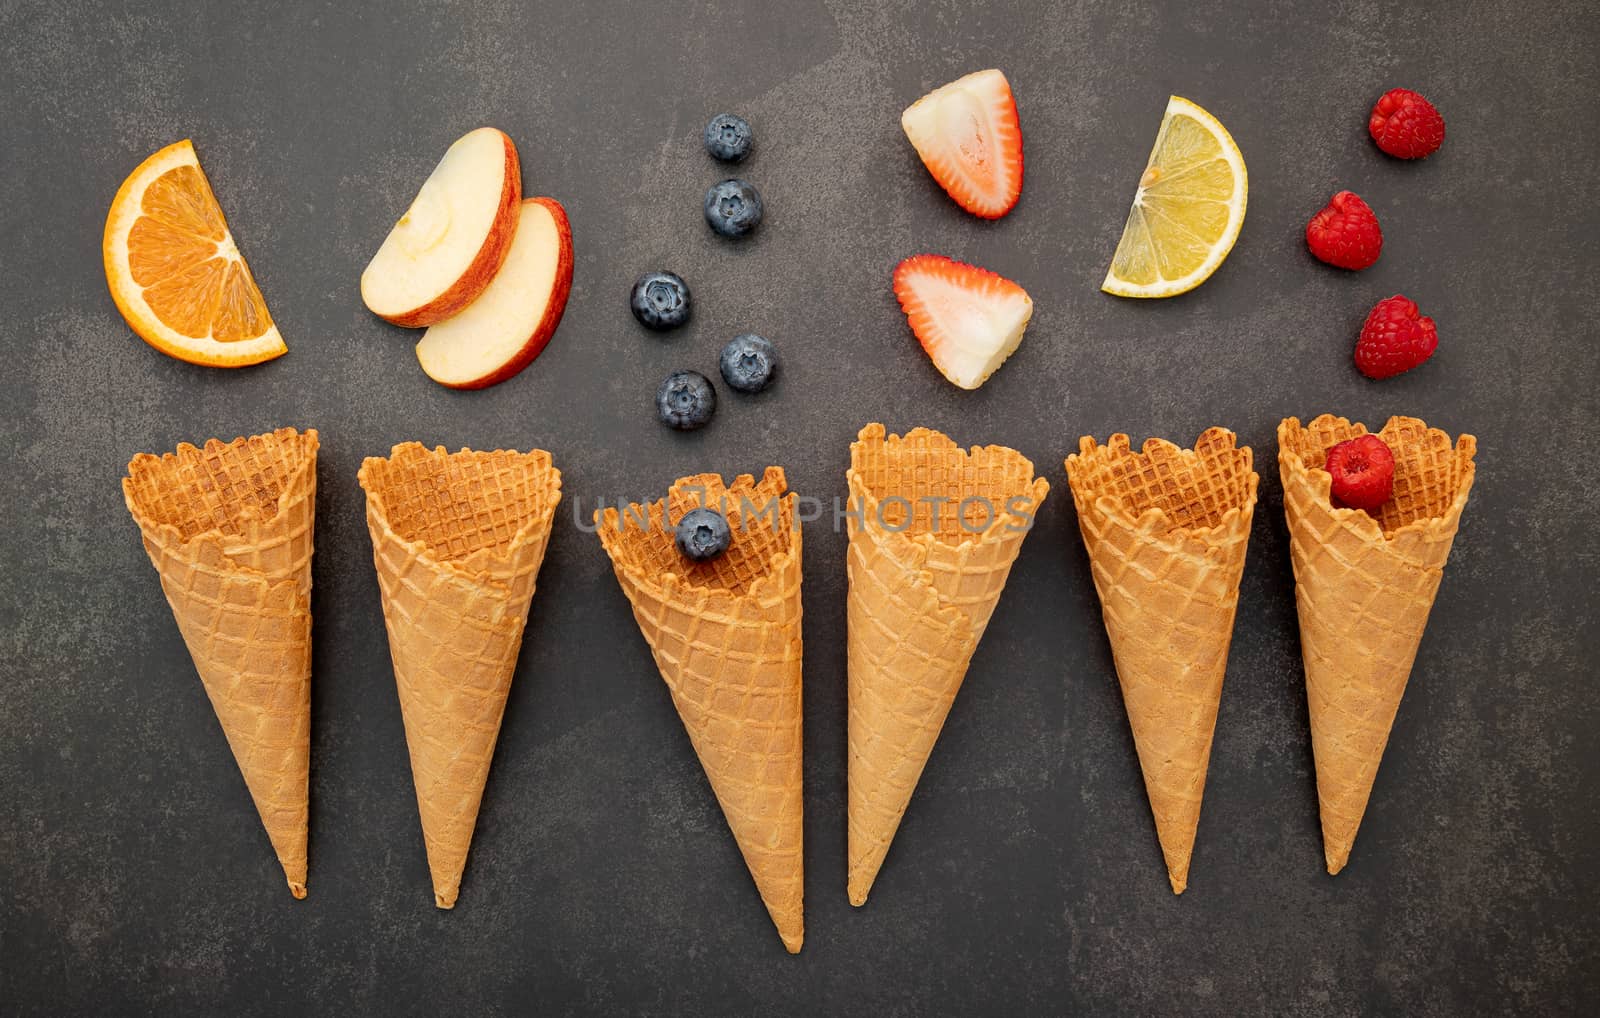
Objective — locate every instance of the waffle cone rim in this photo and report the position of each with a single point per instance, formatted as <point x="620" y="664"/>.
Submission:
<point x="1038" y="488"/>
<point x="614" y="523"/>
<point x="251" y="520"/>
<point x="1153" y="522"/>
<point x="476" y="565"/>
<point x="1320" y="483"/>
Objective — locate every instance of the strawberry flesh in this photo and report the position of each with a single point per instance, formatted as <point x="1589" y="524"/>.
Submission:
<point x="967" y="319"/>
<point x="969" y="138"/>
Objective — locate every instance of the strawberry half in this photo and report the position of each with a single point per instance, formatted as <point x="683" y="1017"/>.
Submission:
<point x="969" y="139"/>
<point x="968" y="319"/>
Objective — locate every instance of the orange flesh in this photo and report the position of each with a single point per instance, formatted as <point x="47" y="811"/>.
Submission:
<point x="174" y="252"/>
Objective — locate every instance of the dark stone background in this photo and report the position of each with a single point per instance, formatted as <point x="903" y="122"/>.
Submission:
<point x="134" y="876"/>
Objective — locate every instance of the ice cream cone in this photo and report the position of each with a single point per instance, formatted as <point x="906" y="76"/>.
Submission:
<point x="1364" y="585"/>
<point x="934" y="530"/>
<point x="229" y="528"/>
<point x="1166" y="531"/>
<point x="457" y="539"/>
<point x="726" y="636"/>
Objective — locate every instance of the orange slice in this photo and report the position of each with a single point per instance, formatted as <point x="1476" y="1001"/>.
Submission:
<point x="175" y="272"/>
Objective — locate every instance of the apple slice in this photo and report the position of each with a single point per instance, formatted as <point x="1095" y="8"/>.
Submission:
<point x="502" y="331"/>
<point x="447" y="247"/>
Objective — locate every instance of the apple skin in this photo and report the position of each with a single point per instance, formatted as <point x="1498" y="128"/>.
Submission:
<point x="488" y="260"/>
<point x="552" y="311"/>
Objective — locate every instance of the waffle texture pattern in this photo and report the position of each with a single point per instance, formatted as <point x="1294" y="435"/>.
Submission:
<point x="1166" y="530"/>
<point x="229" y="527"/>
<point x="1364" y="586"/>
<point x="934" y="529"/>
<point x="457" y="539"/>
<point x="725" y="635"/>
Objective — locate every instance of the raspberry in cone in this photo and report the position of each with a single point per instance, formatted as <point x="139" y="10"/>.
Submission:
<point x="1365" y="581"/>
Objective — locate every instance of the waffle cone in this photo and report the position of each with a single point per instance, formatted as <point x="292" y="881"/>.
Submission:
<point x="926" y="569"/>
<point x="726" y="637"/>
<point x="1166" y="530"/>
<point x="1364" y="585"/>
<point x="457" y="539"/>
<point x="229" y="529"/>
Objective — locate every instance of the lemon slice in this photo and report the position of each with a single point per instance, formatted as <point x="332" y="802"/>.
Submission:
<point x="175" y="271"/>
<point x="1187" y="211"/>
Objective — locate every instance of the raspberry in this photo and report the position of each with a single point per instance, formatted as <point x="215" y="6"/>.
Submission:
<point x="1405" y="125"/>
<point x="1363" y="472"/>
<point x="1345" y="233"/>
<point x="1396" y="338"/>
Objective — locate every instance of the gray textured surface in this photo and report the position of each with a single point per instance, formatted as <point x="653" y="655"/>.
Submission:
<point x="134" y="876"/>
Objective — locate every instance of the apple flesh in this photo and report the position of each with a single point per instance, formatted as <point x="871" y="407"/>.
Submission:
<point x="448" y="246"/>
<point x="502" y="331"/>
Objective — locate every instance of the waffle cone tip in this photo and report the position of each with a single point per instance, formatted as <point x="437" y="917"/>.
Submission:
<point x="858" y="891"/>
<point x="1336" y="851"/>
<point x="298" y="889"/>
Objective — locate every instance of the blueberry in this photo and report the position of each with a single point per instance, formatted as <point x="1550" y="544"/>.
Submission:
<point x="728" y="138"/>
<point x="733" y="207"/>
<point x="703" y="534"/>
<point x="660" y="300"/>
<point x="686" y="401"/>
<point x="748" y="363"/>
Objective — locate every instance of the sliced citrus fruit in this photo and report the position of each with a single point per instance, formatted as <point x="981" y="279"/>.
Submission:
<point x="1187" y="211"/>
<point x="175" y="272"/>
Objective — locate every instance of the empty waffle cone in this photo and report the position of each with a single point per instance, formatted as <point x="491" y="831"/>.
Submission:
<point x="1364" y="585"/>
<point x="726" y="636"/>
<point x="229" y="528"/>
<point x="934" y="529"/>
<point x="1166" y="530"/>
<point x="457" y="539"/>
